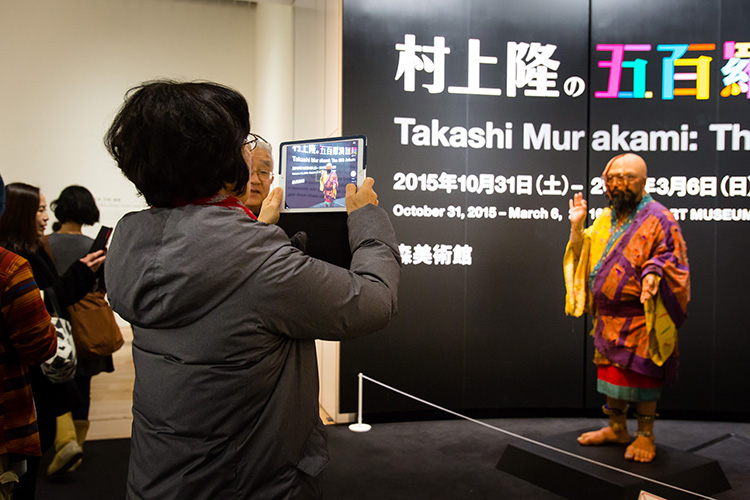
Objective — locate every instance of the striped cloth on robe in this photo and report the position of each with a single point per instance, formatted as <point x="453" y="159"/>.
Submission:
<point x="605" y="282"/>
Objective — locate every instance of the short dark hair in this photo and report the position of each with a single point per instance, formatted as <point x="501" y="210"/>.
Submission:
<point x="180" y="141"/>
<point x="18" y="230"/>
<point x="75" y="204"/>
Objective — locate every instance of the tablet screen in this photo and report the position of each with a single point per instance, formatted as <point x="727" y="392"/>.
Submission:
<point x="315" y="173"/>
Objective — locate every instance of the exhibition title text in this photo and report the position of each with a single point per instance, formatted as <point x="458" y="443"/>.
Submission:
<point x="726" y="136"/>
<point x="685" y="69"/>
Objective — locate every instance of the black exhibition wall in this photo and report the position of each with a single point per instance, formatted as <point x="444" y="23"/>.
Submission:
<point x="483" y="118"/>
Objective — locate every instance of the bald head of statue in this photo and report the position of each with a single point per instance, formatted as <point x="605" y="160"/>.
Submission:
<point x="625" y="179"/>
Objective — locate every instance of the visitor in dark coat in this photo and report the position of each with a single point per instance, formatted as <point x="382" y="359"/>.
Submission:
<point x="225" y="310"/>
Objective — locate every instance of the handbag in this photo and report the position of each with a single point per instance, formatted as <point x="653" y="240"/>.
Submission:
<point x="95" y="329"/>
<point x="61" y="367"/>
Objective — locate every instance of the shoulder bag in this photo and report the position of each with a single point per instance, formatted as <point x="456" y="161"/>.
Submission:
<point x="95" y="329"/>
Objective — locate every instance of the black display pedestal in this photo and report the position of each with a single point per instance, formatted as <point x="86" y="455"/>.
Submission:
<point x="578" y="479"/>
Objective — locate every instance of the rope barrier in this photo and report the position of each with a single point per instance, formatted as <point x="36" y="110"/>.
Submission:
<point x="361" y="376"/>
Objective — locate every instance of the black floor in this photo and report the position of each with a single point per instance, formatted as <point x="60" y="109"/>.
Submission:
<point x="435" y="460"/>
<point x="457" y="459"/>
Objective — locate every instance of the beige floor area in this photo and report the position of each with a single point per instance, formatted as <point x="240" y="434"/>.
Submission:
<point x="112" y="396"/>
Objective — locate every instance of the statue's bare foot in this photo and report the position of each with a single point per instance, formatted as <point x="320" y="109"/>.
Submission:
<point x="642" y="449"/>
<point x="603" y="435"/>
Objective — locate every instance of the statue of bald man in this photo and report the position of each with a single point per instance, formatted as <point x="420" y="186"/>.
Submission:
<point x="629" y="271"/>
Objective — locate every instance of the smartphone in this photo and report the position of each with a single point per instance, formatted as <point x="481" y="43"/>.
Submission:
<point x="314" y="173"/>
<point x="100" y="243"/>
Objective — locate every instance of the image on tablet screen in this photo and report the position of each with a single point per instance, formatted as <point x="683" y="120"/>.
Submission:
<point x="317" y="173"/>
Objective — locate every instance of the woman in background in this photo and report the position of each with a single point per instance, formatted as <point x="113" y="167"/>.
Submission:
<point x="22" y="227"/>
<point x="27" y="338"/>
<point x="74" y="208"/>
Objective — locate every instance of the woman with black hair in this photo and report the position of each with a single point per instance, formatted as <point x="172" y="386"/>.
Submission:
<point x="27" y="338"/>
<point x="225" y="311"/>
<point x="22" y="227"/>
<point x="74" y="208"/>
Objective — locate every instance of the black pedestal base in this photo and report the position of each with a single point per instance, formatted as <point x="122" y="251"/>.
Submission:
<point x="577" y="479"/>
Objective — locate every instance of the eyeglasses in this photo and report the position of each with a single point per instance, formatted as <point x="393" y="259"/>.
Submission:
<point x="611" y="179"/>
<point x="252" y="140"/>
<point x="263" y="175"/>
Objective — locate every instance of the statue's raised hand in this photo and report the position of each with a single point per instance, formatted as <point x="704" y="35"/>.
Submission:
<point x="578" y="210"/>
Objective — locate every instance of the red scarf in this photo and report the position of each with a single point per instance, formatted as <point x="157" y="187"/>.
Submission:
<point x="221" y="200"/>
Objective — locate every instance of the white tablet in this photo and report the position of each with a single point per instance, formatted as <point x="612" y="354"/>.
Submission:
<point x="314" y="173"/>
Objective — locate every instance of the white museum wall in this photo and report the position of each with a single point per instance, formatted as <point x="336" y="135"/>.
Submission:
<point x="272" y="111"/>
<point x="68" y="63"/>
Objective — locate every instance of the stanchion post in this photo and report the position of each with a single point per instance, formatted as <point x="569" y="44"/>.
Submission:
<point x="359" y="426"/>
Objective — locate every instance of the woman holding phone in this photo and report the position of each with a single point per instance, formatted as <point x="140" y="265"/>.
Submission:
<point x="73" y="209"/>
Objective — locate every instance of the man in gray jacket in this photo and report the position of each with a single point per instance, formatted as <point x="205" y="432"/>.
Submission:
<point x="225" y="311"/>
